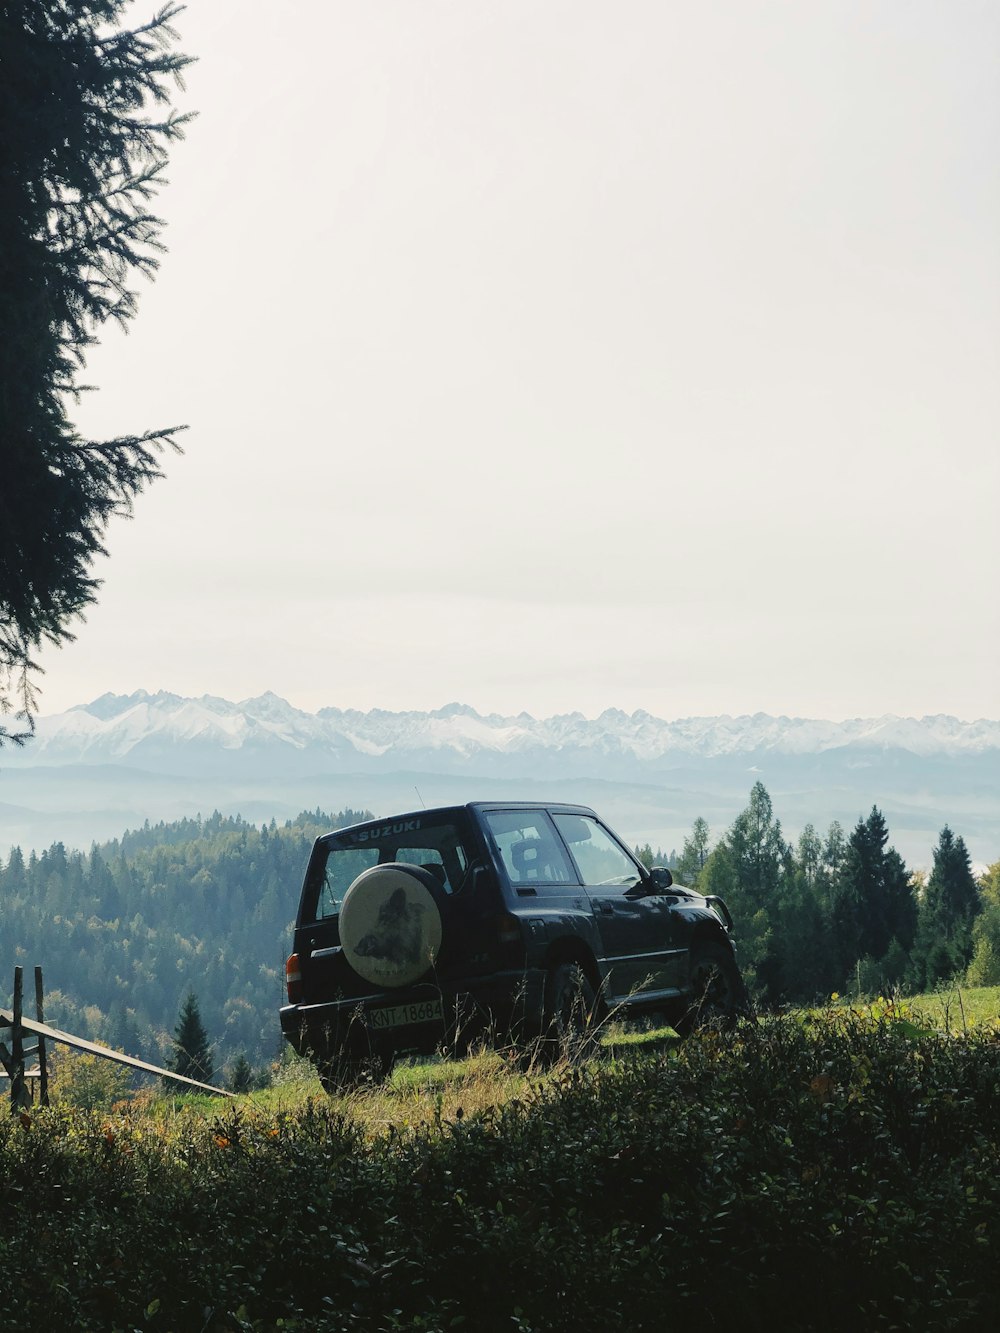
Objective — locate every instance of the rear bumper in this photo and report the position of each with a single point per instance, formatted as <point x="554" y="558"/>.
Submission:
<point x="505" y="1001"/>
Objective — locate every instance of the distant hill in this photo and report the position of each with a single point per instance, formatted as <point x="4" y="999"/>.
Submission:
<point x="102" y="767"/>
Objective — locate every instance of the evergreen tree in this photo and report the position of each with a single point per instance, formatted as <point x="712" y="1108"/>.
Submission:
<point x="946" y="914"/>
<point x="192" y="1056"/>
<point x="746" y="869"/>
<point x="900" y="901"/>
<point x="809" y="854"/>
<point x="241" y="1077"/>
<point x="872" y="902"/>
<point x="800" y="966"/>
<point x="984" y="969"/>
<point x="694" y="853"/>
<point x="122" y="1031"/>
<point x="15" y="874"/>
<point x="83" y="145"/>
<point x="834" y="849"/>
<point x="645" y="855"/>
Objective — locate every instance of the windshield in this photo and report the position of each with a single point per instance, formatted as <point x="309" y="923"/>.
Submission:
<point x="435" y="844"/>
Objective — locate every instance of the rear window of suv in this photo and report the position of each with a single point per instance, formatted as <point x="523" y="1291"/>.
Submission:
<point x="338" y="859"/>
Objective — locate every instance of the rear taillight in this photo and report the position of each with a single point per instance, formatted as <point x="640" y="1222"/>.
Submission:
<point x="293" y="979"/>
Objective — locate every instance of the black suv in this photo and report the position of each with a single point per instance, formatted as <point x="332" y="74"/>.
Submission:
<point x="513" y="918"/>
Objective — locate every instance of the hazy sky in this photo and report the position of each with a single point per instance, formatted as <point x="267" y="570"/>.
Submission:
<point x="562" y="355"/>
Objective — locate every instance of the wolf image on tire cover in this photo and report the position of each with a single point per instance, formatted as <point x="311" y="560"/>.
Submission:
<point x="397" y="935"/>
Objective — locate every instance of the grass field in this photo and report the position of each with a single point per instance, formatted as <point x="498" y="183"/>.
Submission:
<point x="420" y="1090"/>
<point x="957" y="1010"/>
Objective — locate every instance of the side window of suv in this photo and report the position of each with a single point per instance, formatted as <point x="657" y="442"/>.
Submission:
<point x="528" y="847"/>
<point x="599" y="857"/>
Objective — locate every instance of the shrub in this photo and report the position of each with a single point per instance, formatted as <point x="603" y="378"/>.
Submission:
<point x="837" y="1170"/>
<point x="88" y="1082"/>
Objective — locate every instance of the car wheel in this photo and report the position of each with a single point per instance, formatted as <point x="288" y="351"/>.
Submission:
<point x="570" y="1011"/>
<point x="718" y="996"/>
<point x="391" y="925"/>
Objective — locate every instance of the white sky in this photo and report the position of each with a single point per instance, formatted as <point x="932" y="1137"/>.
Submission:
<point x="555" y="355"/>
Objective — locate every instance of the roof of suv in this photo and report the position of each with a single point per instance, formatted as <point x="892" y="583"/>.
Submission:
<point x="567" y="806"/>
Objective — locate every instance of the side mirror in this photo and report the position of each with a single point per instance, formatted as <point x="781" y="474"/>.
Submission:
<point x="660" y="878"/>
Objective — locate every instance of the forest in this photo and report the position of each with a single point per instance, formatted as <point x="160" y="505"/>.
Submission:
<point x="128" y="931"/>
<point x="841" y="913"/>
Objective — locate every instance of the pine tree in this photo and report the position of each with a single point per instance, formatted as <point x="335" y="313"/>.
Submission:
<point x="15" y="874"/>
<point x="241" y="1077"/>
<point x="83" y="146"/>
<point x="800" y="967"/>
<point x="192" y="1055"/>
<point x="694" y="853"/>
<point x="872" y="903"/>
<point x="746" y="868"/>
<point x="946" y="914"/>
<point x="984" y="969"/>
<point x="122" y="1030"/>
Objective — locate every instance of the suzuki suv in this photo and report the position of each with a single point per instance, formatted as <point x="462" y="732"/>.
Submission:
<point x="521" y="919"/>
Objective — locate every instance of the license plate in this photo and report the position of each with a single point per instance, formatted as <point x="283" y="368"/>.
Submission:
<point x="399" y="1015"/>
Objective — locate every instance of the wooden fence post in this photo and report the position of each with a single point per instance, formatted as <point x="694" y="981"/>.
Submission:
<point x="18" y="1089"/>
<point x="14" y="1059"/>
<point x="43" y="1069"/>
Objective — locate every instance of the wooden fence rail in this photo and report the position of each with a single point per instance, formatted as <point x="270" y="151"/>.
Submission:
<point x="13" y="1057"/>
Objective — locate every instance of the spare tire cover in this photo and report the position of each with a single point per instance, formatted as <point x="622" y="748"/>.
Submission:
<point x="390" y="924"/>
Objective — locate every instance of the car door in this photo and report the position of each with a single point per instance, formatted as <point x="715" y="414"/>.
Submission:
<point x="636" y="928"/>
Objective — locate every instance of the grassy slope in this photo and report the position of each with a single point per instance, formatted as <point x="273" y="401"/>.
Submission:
<point x="419" y="1090"/>
<point x="957" y="1010"/>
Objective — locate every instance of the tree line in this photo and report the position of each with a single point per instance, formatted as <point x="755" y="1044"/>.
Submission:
<point x="842" y="912"/>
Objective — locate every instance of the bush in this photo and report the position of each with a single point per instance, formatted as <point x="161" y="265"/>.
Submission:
<point x="841" y="1170"/>
<point x="88" y="1082"/>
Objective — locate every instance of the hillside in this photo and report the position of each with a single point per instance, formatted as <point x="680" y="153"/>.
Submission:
<point x="126" y="931"/>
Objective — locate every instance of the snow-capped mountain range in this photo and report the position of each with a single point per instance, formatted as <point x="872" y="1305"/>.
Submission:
<point x="100" y="768"/>
<point x="124" y="728"/>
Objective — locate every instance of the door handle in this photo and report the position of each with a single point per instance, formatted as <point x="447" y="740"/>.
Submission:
<point x="605" y="907"/>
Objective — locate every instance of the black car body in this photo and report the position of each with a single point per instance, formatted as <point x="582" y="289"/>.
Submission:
<point x="415" y="929"/>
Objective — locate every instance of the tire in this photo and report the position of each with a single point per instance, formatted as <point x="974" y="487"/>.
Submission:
<point x="569" y="1023"/>
<point x="718" y="996"/>
<point x="391" y="924"/>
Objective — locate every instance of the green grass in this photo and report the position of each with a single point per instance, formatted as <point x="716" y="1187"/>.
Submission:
<point x="957" y="1009"/>
<point x="420" y="1090"/>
